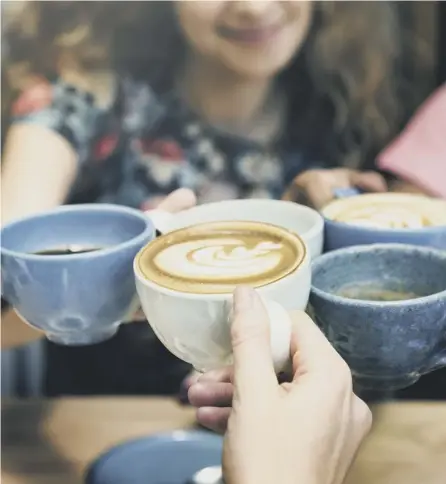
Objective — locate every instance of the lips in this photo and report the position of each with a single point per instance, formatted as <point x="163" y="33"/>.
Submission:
<point x="251" y="35"/>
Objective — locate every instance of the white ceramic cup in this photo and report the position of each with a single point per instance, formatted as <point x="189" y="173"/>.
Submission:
<point x="196" y="327"/>
<point x="302" y="220"/>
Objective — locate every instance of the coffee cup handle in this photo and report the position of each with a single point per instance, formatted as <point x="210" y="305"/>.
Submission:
<point x="280" y="334"/>
<point x="161" y="219"/>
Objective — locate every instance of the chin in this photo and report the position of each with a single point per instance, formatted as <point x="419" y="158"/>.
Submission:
<point x="256" y="69"/>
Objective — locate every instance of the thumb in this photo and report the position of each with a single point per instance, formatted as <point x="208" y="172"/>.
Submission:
<point x="310" y="350"/>
<point x="178" y="200"/>
<point x="370" y="181"/>
<point x="253" y="364"/>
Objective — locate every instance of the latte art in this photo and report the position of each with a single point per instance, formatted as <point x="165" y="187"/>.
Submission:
<point x="215" y="257"/>
<point x="398" y="217"/>
<point x="388" y="211"/>
<point x="219" y="258"/>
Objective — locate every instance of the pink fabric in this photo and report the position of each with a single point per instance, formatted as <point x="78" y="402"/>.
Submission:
<point x="419" y="153"/>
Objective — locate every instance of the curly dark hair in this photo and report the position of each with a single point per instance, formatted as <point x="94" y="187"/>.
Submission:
<point x="350" y="89"/>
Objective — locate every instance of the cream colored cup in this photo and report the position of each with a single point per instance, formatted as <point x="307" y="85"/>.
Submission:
<point x="196" y="327"/>
<point x="302" y="220"/>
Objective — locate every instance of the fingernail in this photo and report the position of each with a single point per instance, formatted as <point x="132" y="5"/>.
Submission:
<point x="243" y="298"/>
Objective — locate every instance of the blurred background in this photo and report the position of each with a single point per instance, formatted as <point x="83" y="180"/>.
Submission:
<point x="66" y="66"/>
<point x="124" y="102"/>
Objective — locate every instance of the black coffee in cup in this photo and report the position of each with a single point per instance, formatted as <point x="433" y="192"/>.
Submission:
<point x="69" y="250"/>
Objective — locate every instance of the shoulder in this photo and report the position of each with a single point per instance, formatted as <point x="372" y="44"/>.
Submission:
<point x="39" y="93"/>
<point x="75" y="107"/>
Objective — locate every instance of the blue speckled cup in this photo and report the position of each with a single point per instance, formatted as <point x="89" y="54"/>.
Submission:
<point x="388" y="345"/>
<point x="78" y="298"/>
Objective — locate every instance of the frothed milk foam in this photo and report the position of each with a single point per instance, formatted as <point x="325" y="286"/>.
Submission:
<point x="388" y="211"/>
<point x="213" y="258"/>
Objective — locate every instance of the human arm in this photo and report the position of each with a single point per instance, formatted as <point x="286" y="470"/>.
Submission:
<point x="29" y="187"/>
<point x="52" y="130"/>
<point x="38" y="169"/>
<point x="39" y="164"/>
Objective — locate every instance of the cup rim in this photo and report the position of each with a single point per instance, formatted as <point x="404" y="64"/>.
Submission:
<point x="306" y="261"/>
<point x="318" y="219"/>
<point x="373" y="230"/>
<point x="86" y="207"/>
<point x="319" y="261"/>
<point x="382" y="230"/>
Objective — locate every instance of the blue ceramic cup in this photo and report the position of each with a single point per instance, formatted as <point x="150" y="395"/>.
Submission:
<point x="79" y="298"/>
<point x="387" y="344"/>
<point x="388" y="208"/>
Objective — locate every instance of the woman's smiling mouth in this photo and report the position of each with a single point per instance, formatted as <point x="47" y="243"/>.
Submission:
<point x="250" y="36"/>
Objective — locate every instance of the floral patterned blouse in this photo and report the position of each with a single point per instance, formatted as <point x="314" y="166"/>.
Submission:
<point x="143" y="146"/>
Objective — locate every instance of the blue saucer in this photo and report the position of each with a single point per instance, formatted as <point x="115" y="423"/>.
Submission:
<point x="170" y="458"/>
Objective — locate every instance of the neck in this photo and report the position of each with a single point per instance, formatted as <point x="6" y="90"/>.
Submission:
<point x="221" y="97"/>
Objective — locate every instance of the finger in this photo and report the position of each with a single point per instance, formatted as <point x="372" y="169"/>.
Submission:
<point x="294" y="193"/>
<point x="186" y="384"/>
<point x="253" y="365"/>
<point x="220" y="375"/>
<point x="311" y="351"/>
<point x="192" y="378"/>
<point x="214" y="418"/>
<point x="319" y="193"/>
<point x="369" y="181"/>
<point x="178" y="200"/>
<point x="211" y="394"/>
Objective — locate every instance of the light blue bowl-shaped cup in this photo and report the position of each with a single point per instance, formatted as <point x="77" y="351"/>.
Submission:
<point x="340" y="234"/>
<point x="81" y="298"/>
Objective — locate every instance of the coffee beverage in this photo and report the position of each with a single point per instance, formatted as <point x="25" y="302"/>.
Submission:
<point x="214" y="257"/>
<point x="69" y="250"/>
<point x="388" y="211"/>
<point x="186" y="277"/>
<point x="375" y="292"/>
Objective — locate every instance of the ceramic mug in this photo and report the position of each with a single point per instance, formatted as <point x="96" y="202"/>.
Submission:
<point x="302" y="220"/>
<point x="79" y="298"/>
<point x="196" y="327"/>
<point x="340" y="234"/>
<point x="387" y="344"/>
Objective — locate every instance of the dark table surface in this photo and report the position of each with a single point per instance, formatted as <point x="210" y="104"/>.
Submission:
<point x="134" y="362"/>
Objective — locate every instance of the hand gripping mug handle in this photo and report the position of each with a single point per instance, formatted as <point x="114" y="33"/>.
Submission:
<point x="280" y="334"/>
